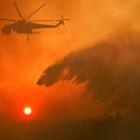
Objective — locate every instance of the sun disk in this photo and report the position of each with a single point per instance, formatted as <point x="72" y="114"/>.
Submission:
<point x="27" y="110"/>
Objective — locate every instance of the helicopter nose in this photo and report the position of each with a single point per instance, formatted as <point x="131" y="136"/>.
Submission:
<point x="6" y="30"/>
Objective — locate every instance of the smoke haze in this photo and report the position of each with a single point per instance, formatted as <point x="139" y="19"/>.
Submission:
<point x="98" y="80"/>
<point x="110" y="68"/>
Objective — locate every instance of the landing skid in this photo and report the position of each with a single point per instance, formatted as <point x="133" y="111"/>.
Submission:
<point x="28" y="37"/>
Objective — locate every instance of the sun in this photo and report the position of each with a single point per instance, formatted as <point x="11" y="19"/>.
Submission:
<point x="27" y="110"/>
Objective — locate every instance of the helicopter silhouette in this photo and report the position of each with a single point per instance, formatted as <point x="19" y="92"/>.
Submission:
<point x="26" y="26"/>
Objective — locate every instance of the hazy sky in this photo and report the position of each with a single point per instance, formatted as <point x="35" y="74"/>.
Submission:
<point x="108" y="24"/>
<point x="23" y="62"/>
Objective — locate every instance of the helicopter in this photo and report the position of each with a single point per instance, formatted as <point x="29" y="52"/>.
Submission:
<point x="26" y="26"/>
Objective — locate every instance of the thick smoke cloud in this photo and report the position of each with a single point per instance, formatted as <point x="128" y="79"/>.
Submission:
<point x="110" y="68"/>
<point x="21" y="62"/>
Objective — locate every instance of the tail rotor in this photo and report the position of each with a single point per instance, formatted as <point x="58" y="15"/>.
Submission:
<point x="62" y="20"/>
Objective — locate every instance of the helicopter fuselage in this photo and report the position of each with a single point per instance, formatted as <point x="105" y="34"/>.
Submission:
<point x="25" y="27"/>
<point x="18" y="27"/>
<point x="22" y="27"/>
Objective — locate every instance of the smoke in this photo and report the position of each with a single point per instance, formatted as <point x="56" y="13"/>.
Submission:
<point x="110" y="69"/>
<point x="21" y="61"/>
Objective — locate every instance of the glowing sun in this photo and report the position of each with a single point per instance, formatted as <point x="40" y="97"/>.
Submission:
<point x="27" y="110"/>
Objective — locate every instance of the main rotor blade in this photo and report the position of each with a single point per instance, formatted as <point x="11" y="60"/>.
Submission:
<point x="62" y="19"/>
<point x="17" y="9"/>
<point x="7" y="19"/>
<point x="46" y="20"/>
<point x="36" y="11"/>
<point x="40" y="20"/>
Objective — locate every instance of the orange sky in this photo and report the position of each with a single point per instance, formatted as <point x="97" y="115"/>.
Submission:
<point x="23" y="62"/>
